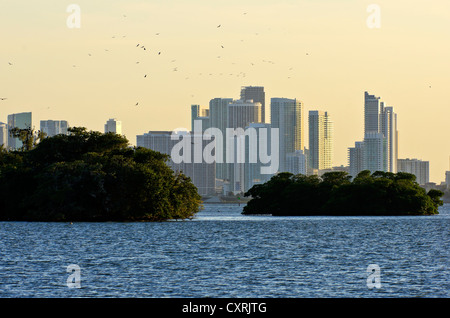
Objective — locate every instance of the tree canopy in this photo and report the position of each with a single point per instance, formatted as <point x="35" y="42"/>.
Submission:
<point x="334" y="193"/>
<point x="91" y="176"/>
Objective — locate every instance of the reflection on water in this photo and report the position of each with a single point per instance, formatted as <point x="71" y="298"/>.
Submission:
<point x="221" y="253"/>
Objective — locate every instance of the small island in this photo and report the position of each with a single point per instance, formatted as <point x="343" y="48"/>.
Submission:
<point x="89" y="176"/>
<point x="336" y="194"/>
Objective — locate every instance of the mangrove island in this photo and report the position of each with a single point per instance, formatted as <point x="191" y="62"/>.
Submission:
<point x="90" y="176"/>
<point x="335" y="193"/>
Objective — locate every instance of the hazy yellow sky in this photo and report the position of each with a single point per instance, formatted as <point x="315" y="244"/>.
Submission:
<point x="89" y="74"/>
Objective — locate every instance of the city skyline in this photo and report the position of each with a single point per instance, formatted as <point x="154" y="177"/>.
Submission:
<point x="322" y="53"/>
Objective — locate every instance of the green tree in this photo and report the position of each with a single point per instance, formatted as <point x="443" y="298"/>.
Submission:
<point x="379" y="193"/>
<point x="90" y="176"/>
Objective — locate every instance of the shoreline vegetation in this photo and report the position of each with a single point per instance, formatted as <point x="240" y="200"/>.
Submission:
<point x="335" y="194"/>
<point x="88" y="176"/>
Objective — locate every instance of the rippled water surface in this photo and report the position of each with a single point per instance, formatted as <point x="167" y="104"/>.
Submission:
<point x="222" y="253"/>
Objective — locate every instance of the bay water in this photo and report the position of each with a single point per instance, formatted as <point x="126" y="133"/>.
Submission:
<point x="222" y="253"/>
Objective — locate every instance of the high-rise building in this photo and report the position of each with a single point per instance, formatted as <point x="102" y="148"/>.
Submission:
<point x="259" y="145"/>
<point x="114" y="126"/>
<point x="356" y="159"/>
<point x="419" y="168"/>
<point x="54" y="127"/>
<point x="257" y="94"/>
<point x="218" y="118"/>
<point x="372" y="107"/>
<point x="447" y="179"/>
<point x="4" y="135"/>
<point x="240" y="115"/>
<point x="296" y="162"/>
<point x="200" y="114"/>
<point x="202" y="173"/>
<point x="379" y="118"/>
<point x="320" y="140"/>
<point x="287" y="115"/>
<point x="375" y="148"/>
<point x="388" y="127"/>
<point x="21" y="121"/>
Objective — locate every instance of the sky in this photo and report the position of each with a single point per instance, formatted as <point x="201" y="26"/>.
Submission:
<point x="326" y="53"/>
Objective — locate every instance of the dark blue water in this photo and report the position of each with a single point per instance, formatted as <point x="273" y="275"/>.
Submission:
<point x="222" y="253"/>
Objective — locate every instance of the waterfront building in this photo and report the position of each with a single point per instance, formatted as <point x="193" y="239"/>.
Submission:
<point x="447" y="179"/>
<point x="21" y="121"/>
<point x="201" y="172"/>
<point x="257" y="94"/>
<point x="320" y="140"/>
<point x="54" y="127"/>
<point x="287" y="115"/>
<point x="356" y="159"/>
<point x="258" y="148"/>
<point x="114" y="126"/>
<point x="379" y="118"/>
<point x="240" y="115"/>
<point x="388" y="127"/>
<point x="419" y="168"/>
<point x="374" y="153"/>
<point x="200" y="114"/>
<point x="296" y="162"/>
<point x="218" y="115"/>
<point x="4" y="135"/>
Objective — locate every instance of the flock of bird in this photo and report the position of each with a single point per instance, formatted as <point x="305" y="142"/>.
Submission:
<point x="175" y="69"/>
<point x="142" y="47"/>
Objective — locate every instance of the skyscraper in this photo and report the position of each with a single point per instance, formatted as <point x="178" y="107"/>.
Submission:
<point x="419" y="168"/>
<point x="4" y="135"/>
<point x="296" y="162"/>
<point x="388" y="127"/>
<point x="114" y="126"/>
<point x="447" y="179"/>
<point x="201" y="114"/>
<point x="257" y="94"/>
<point x="240" y="115"/>
<point x="218" y="118"/>
<point x="21" y="121"/>
<point x="381" y="119"/>
<point x="54" y="127"/>
<point x="356" y="159"/>
<point x="202" y="174"/>
<point x="375" y="149"/>
<point x="372" y="106"/>
<point x="259" y="147"/>
<point x="287" y="115"/>
<point x="320" y="140"/>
